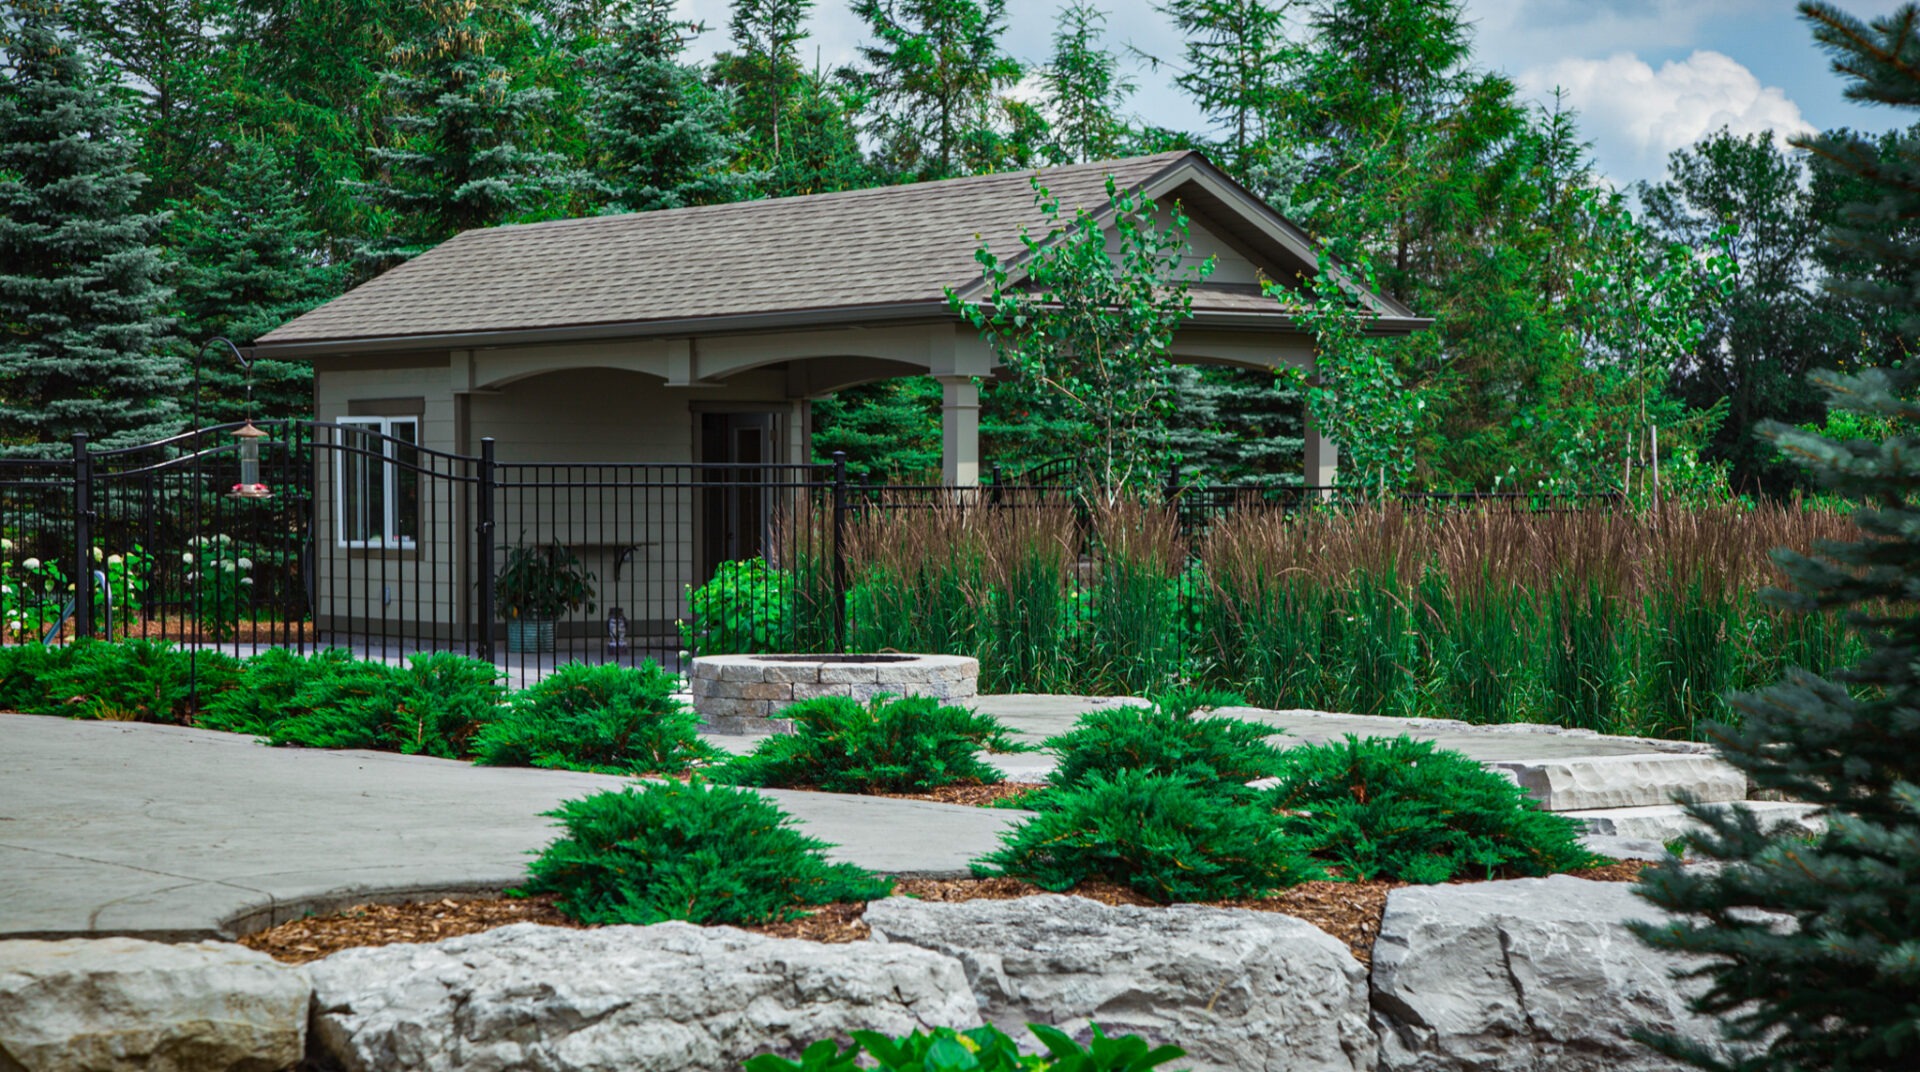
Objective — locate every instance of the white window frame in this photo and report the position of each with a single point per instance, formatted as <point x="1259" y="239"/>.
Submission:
<point x="390" y="538"/>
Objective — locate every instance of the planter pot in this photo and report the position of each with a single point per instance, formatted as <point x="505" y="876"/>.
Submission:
<point x="529" y="635"/>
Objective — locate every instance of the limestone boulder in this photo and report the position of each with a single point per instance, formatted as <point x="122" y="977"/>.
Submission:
<point x="1528" y="974"/>
<point x="108" y="1004"/>
<point x="619" y="999"/>
<point x="1236" y="989"/>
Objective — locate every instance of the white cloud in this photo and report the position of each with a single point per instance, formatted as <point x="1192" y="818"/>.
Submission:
<point x="1636" y="114"/>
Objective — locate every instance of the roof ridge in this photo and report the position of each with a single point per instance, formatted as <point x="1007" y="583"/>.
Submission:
<point x="831" y="195"/>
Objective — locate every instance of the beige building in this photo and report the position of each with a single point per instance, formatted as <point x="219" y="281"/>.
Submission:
<point x="699" y="336"/>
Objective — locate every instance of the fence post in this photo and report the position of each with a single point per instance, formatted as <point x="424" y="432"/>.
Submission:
<point x="994" y="495"/>
<point x="82" y="538"/>
<point x="483" y="547"/>
<point x="839" y="551"/>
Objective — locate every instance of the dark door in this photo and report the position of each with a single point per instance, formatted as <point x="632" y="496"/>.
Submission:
<point x="734" y="514"/>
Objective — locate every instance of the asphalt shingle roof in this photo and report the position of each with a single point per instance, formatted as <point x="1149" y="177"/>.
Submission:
<point x="856" y="249"/>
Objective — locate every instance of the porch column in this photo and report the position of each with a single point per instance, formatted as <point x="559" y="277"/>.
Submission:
<point x="959" y="431"/>
<point x="1323" y="457"/>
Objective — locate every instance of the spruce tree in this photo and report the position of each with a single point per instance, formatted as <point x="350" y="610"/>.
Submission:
<point x="660" y="131"/>
<point x="890" y="428"/>
<point x="83" y="343"/>
<point x="247" y="259"/>
<point x="465" y="153"/>
<point x="1814" y="945"/>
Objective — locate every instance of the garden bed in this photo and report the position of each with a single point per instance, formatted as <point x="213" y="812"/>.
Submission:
<point x="1350" y="911"/>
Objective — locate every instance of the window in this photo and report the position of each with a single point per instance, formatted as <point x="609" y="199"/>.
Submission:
<point x="377" y="482"/>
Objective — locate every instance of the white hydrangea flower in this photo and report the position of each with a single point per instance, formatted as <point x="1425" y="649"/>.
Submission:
<point x="226" y="567"/>
<point x="31" y="563"/>
<point x="187" y="558"/>
<point x="246" y="580"/>
<point x="114" y="560"/>
<point x="246" y="563"/>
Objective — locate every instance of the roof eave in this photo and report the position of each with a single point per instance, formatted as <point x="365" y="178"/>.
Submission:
<point x="295" y="349"/>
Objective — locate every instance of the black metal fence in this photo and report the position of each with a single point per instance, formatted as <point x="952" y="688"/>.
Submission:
<point x="354" y="535"/>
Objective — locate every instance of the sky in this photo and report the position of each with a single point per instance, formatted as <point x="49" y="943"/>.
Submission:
<point x="1647" y="76"/>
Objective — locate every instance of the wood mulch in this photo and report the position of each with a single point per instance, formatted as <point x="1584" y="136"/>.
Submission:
<point x="971" y="793"/>
<point x="1350" y="911"/>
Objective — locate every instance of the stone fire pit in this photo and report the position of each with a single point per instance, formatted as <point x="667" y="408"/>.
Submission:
<point x="746" y="693"/>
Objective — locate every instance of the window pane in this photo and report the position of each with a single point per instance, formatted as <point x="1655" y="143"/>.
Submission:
<point x="362" y="491"/>
<point x="406" y="480"/>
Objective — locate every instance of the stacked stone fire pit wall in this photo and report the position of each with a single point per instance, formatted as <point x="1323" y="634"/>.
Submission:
<point x="746" y="693"/>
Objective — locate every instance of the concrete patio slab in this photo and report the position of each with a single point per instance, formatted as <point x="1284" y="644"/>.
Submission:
<point x="1563" y="769"/>
<point x="174" y="833"/>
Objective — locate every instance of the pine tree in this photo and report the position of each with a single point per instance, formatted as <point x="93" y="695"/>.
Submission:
<point x="247" y="259"/>
<point x="932" y="76"/>
<point x="464" y="156"/>
<point x="1814" y="945"/>
<point x="83" y="344"/>
<point x="1083" y="88"/>
<point x="660" y="131"/>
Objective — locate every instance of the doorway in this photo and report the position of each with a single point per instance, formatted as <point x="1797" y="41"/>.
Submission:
<point x="735" y="510"/>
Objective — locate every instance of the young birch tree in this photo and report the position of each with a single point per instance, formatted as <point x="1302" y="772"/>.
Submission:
<point x="1085" y="325"/>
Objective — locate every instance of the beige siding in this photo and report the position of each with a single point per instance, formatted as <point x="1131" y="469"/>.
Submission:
<point x="562" y="423"/>
<point x="389" y="590"/>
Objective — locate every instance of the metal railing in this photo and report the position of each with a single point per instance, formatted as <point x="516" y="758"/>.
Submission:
<point x="369" y="541"/>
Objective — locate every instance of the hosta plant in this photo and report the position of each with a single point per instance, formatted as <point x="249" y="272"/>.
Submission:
<point x="697" y="852"/>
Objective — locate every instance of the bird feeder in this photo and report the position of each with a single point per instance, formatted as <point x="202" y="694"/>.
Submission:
<point x="250" y="486"/>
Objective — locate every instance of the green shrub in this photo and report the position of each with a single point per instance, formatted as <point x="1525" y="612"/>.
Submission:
<point x="1397" y="808"/>
<point x="129" y="680"/>
<point x="1167" y="739"/>
<point x="606" y="718"/>
<point x="696" y="852"/>
<point x="138" y="680"/>
<point x="981" y="1049"/>
<point x="886" y="745"/>
<point x="25" y="671"/>
<point x="267" y="686"/>
<point x="432" y="706"/>
<point x="1160" y="835"/>
<point x="746" y="607"/>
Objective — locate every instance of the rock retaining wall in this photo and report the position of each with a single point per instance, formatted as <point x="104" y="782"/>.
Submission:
<point x="1523" y="975"/>
<point x="746" y="693"/>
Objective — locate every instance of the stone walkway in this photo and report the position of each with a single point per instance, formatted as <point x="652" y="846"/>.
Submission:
<point x="165" y="832"/>
<point x="160" y="831"/>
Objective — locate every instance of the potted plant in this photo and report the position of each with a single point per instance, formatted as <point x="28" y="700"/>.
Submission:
<point x="537" y="583"/>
